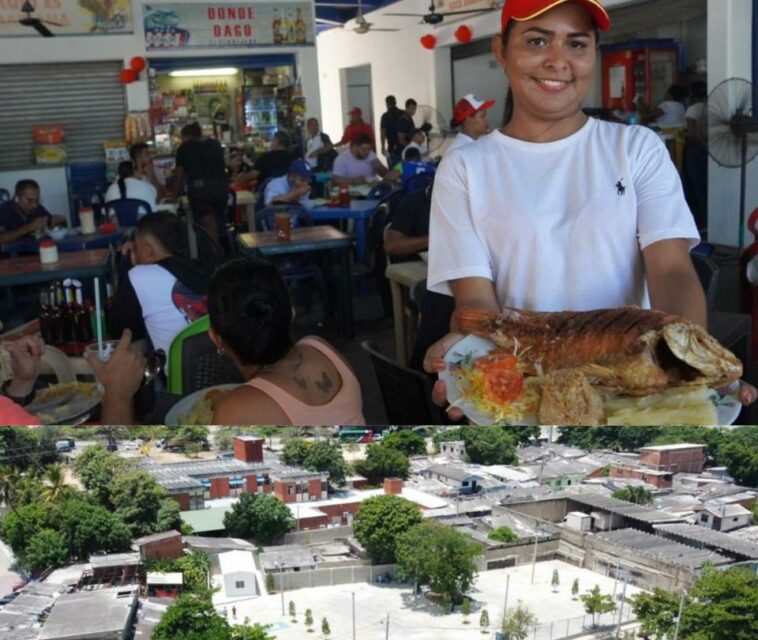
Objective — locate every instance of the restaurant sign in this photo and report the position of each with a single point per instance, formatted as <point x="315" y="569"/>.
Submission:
<point x="259" y="24"/>
<point x="68" y="17"/>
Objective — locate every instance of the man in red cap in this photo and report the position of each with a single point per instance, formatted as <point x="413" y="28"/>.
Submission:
<point x="357" y="127"/>
<point x="470" y="116"/>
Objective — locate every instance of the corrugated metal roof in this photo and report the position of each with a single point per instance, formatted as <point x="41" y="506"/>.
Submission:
<point x="711" y="538"/>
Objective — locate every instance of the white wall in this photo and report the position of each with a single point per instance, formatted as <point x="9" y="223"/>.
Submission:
<point x="125" y="47"/>
<point x="231" y="591"/>
<point x="729" y="39"/>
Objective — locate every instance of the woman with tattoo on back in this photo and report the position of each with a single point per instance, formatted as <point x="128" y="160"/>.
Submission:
<point x="301" y="383"/>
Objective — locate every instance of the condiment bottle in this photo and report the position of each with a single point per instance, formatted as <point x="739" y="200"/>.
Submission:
<point x="48" y="252"/>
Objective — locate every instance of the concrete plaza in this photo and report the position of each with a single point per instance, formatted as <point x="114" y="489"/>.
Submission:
<point x="418" y="618"/>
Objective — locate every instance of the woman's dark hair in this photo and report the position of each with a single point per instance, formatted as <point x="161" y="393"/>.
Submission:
<point x="193" y="131"/>
<point x="125" y="170"/>
<point x="699" y="90"/>
<point x="136" y="149"/>
<point x="678" y="93"/>
<point x="250" y="309"/>
<point x="167" y="229"/>
<point x="508" y="109"/>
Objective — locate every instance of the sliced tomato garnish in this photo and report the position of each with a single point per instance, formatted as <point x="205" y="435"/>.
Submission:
<point x="496" y="361"/>
<point x="503" y="385"/>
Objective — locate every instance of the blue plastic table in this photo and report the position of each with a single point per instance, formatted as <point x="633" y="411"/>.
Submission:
<point x="359" y="210"/>
<point x="76" y="242"/>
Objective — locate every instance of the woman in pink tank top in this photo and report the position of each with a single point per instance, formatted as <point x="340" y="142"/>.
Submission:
<point x="301" y="383"/>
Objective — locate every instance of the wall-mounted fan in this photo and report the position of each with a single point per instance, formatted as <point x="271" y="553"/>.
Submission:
<point x="732" y="128"/>
<point x="35" y="23"/>
<point x="435" y="17"/>
<point x="434" y="125"/>
<point x="361" y="24"/>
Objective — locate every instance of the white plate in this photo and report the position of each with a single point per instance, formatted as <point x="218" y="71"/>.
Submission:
<point x="184" y="406"/>
<point x="424" y="255"/>
<point x="728" y="407"/>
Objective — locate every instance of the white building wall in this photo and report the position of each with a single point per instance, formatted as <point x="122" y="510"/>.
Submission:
<point x="231" y="591"/>
<point x="729" y="40"/>
<point x="124" y="47"/>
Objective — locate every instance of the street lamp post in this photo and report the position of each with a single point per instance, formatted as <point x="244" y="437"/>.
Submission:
<point x="353" y="615"/>
<point x="679" y="616"/>
<point x="505" y="604"/>
<point x="534" y="555"/>
<point x="621" y="609"/>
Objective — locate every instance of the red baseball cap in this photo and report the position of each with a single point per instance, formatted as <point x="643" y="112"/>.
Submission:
<point x="468" y="106"/>
<point x="355" y="111"/>
<point x="528" y="9"/>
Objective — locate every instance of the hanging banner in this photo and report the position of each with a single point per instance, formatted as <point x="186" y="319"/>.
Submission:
<point x="463" y="5"/>
<point x="68" y="17"/>
<point x="260" y="24"/>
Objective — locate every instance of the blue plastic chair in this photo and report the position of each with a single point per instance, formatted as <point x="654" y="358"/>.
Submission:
<point x="4" y="195"/>
<point x="127" y="210"/>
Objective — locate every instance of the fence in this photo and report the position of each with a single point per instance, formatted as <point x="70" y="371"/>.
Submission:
<point x="579" y="626"/>
<point x="334" y="576"/>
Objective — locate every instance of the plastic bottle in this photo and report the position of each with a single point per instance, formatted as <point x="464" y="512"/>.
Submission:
<point x="344" y="196"/>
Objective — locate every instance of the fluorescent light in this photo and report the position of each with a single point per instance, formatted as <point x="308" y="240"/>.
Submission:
<point x="191" y="73"/>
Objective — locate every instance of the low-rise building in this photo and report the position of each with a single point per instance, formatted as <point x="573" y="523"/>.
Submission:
<point x="167" y="544"/>
<point x="674" y="458"/>
<point x="238" y="574"/>
<point x="455" y="449"/>
<point x="459" y="478"/>
<point x="164" y="584"/>
<point x="724" y="517"/>
<point x="103" y="614"/>
<point x="288" y="557"/>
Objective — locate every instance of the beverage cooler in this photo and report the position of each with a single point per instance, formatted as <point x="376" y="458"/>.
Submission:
<point x="640" y="70"/>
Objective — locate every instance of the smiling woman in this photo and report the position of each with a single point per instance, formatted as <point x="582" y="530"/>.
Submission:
<point x="557" y="211"/>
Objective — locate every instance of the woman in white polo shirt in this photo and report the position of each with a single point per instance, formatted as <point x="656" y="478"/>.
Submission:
<point x="558" y="211"/>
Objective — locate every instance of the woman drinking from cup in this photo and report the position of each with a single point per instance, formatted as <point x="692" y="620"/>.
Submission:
<point x="557" y="211"/>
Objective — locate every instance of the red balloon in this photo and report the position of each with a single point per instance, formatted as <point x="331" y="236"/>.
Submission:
<point x="428" y="41"/>
<point x="138" y="63"/>
<point x="463" y="34"/>
<point x="128" y="76"/>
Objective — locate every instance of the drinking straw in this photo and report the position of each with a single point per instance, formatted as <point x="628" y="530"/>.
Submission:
<point x="98" y="320"/>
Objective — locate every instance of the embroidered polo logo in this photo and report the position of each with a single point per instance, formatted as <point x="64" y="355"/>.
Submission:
<point x="620" y="188"/>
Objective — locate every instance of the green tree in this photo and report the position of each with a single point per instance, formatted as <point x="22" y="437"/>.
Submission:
<point x="575" y="589"/>
<point x="46" y="549"/>
<point x="484" y="620"/>
<point x="168" y="516"/>
<point x="378" y="523"/>
<point x="656" y="611"/>
<point x="137" y="498"/>
<point x="18" y="525"/>
<point x="325" y="630"/>
<point x="189" y="438"/>
<point x="292" y="610"/>
<point x="251" y="632"/>
<point x="406" y="441"/>
<point x="502" y="534"/>
<point x="261" y="517"/>
<point x="555" y="581"/>
<point x="741" y="462"/>
<point x="466" y="610"/>
<point x="596" y="603"/>
<point x="28" y="447"/>
<point x="324" y="456"/>
<point x="754" y="510"/>
<point x="489" y="445"/>
<point x="444" y="558"/>
<point x="524" y="435"/>
<point x="192" y="617"/>
<point x="269" y="432"/>
<point x="518" y="622"/>
<point x="613" y="438"/>
<point x="196" y="567"/>
<point x="309" y="620"/>
<point x="270" y="583"/>
<point x="724" y="606"/>
<point x="90" y="529"/>
<point x="295" y="451"/>
<point x="637" y="495"/>
<point x="383" y="462"/>
<point x="55" y="484"/>
<point x="98" y="469"/>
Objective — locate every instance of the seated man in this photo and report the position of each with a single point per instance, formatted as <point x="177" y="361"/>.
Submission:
<point x="408" y="233"/>
<point x="273" y="163"/>
<point x="412" y="165"/>
<point x="419" y="142"/>
<point x="292" y="188"/>
<point x="23" y="215"/>
<point x="358" y="164"/>
<point x="129" y="186"/>
<point x="164" y="290"/>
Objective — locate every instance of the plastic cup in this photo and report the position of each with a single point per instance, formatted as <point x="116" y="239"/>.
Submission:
<point x="87" y="222"/>
<point x="283" y="223"/>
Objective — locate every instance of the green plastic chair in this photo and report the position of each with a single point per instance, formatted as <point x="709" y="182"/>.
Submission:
<point x="176" y="351"/>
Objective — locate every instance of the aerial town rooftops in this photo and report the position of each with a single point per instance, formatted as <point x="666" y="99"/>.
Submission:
<point x="102" y="613"/>
<point x="623" y="508"/>
<point x="115" y="560"/>
<point x="286" y="557"/>
<point x="653" y="546"/>
<point x="453" y="472"/>
<point x="156" y="537"/>
<point x="673" y="447"/>
<point x="162" y="578"/>
<point x="211" y="545"/>
<point x="725" y="510"/>
<point x="554" y="450"/>
<point x="236" y="562"/>
<point x="711" y="538"/>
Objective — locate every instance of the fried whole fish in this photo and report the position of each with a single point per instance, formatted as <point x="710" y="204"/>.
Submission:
<point x="628" y="350"/>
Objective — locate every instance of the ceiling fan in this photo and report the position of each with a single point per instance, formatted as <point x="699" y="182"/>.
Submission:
<point x="361" y="24"/>
<point x="434" y="17"/>
<point x="35" y="23"/>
